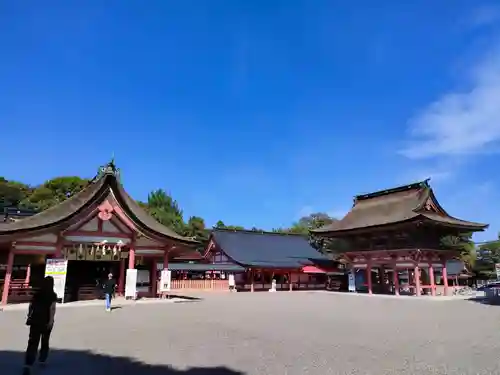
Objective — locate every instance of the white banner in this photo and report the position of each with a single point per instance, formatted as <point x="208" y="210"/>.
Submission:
<point x="57" y="269"/>
<point x="165" y="280"/>
<point x="131" y="283"/>
<point x="352" y="280"/>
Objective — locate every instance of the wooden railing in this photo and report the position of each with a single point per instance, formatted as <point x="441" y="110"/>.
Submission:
<point x="280" y="286"/>
<point x="217" y="285"/>
<point x="19" y="291"/>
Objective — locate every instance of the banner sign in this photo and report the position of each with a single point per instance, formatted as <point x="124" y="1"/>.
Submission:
<point x="131" y="283"/>
<point x="352" y="280"/>
<point x="57" y="269"/>
<point x="165" y="280"/>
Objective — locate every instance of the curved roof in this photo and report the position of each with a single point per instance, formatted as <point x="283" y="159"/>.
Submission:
<point x="96" y="192"/>
<point x="268" y="250"/>
<point x="402" y="204"/>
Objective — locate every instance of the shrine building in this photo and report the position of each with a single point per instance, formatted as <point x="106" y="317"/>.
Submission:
<point x="262" y="257"/>
<point x="99" y="230"/>
<point x="395" y="236"/>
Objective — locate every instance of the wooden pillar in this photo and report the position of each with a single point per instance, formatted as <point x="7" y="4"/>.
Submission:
<point x="153" y="280"/>
<point x="251" y="281"/>
<point x="131" y="256"/>
<point x="395" y="279"/>
<point x="121" y="278"/>
<point x="369" y="277"/>
<point x="28" y="276"/>
<point x="417" y="280"/>
<point x="165" y="260"/>
<point x="59" y="246"/>
<point x="431" y="280"/>
<point x="445" y="278"/>
<point x="8" y="276"/>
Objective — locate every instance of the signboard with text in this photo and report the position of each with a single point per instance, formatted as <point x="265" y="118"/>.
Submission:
<point x="131" y="283"/>
<point x="352" y="281"/>
<point x="165" y="280"/>
<point x="57" y="269"/>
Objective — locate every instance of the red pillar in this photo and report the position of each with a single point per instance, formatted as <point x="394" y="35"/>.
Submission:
<point x="431" y="279"/>
<point x="121" y="278"/>
<point x="8" y="275"/>
<point x="131" y="257"/>
<point x="28" y="276"/>
<point x="445" y="279"/>
<point x="369" y="278"/>
<point x="395" y="280"/>
<point x="59" y="246"/>
<point x="165" y="260"/>
<point x="417" y="280"/>
<point x="290" y="281"/>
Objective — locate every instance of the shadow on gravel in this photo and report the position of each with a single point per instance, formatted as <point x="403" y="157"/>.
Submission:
<point x="485" y="301"/>
<point x="64" y="362"/>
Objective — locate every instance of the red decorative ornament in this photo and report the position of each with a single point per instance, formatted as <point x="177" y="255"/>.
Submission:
<point x="105" y="211"/>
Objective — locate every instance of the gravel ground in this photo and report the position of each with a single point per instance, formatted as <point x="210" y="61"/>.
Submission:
<point x="268" y="333"/>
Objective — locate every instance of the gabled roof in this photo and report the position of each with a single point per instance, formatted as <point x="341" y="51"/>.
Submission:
<point x="89" y="198"/>
<point x="401" y="204"/>
<point x="267" y="250"/>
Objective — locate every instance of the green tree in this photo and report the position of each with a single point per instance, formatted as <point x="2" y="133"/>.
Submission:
<point x="220" y="225"/>
<point x="54" y="191"/>
<point x="195" y="227"/>
<point x="488" y="255"/>
<point x="462" y="243"/>
<point x="166" y="210"/>
<point x="12" y="193"/>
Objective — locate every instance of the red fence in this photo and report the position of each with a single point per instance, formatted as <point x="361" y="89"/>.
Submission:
<point x="217" y="285"/>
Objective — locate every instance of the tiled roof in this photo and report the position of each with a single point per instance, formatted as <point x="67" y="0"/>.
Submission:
<point x="401" y="204"/>
<point x="271" y="250"/>
<point x="92" y="195"/>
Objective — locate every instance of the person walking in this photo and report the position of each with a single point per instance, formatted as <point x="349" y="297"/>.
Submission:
<point x="40" y="319"/>
<point x="109" y="290"/>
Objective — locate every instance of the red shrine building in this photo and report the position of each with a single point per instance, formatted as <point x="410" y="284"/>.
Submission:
<point x="395" y="237"/>
<point x="99" y="230"/>
<point x="258" y="258"/>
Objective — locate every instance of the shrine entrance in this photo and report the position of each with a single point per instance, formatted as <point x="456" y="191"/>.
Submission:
<point x="88" y="268"/>
<point x="84" y="280"/>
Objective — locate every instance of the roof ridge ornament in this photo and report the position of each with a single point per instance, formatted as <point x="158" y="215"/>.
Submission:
<point x="109" y="169"/>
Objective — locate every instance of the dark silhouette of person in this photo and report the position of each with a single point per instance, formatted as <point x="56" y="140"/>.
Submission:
<point x="40" y="319"/>
<point x="109" y="290"/>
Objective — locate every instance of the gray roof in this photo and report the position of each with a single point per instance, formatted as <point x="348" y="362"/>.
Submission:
<point x="269" y="250"/>
<point x="229" y="267"/>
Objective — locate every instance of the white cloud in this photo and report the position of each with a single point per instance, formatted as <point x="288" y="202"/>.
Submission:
<point x="460" y="122"/>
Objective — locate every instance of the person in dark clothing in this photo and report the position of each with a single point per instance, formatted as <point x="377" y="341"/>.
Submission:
<point x="41" y="315"/>
<point x="109" y="290"/>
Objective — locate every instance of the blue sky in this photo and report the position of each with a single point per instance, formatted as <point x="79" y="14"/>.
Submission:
<point x="256" y="112"/>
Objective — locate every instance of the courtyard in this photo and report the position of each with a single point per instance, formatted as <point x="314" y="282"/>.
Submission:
<point x="314" y="333"/>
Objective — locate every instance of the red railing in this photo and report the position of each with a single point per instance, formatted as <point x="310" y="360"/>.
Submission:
<point x="218" y="285"/>
<point x="19" y="291"/>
